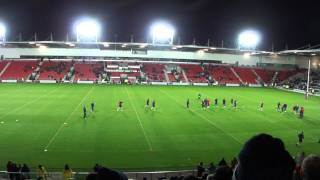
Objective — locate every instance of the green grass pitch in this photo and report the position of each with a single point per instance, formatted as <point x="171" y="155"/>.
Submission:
<point x="43" y="124"/>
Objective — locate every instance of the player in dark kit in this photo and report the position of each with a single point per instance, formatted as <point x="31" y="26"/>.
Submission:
<point x="199" y="96"/>
<point x="153" y="105"/>
<point x="188" y="103"/>
<point x="231" y="101"/>
<point x="147" y="103"/>
<point x="301" y="112"/>
<point x="284" y="108"/>
<point x="235" y="104"/>
<point x="224" y="102"/>
<point x="278" y="106"/>
<point x="261" y="106"/>
<point x="300" y="138"/>
<point x="120" y="106"/>
<point x="84" y="112"/>
<point x="216" y="101"/>
<point x="92" y="106"/>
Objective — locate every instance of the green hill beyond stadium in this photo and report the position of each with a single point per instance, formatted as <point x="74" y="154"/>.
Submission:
<point x="43" y="124"/>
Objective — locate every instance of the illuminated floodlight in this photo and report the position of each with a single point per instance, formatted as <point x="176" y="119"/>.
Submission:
<point x="249" y="39"/>
<point x="162" y="33"/>
<point x="87" y="30"/>
<point x="2" y="32"/>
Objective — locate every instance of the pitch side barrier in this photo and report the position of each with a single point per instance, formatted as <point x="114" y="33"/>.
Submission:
<point x="153" y="175"/>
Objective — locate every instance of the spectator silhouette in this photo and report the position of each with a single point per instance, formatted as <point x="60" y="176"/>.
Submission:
<point x="264" y="157"/>
<point x="311" y="168"/>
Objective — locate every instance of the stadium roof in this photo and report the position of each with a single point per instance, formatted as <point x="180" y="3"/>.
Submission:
<point x="150" y="46"/>
<point x="125" y="46"/>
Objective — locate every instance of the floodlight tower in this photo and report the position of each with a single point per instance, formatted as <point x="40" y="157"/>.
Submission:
<point x="2" y="33"/>
<point x="162" y="33"/>
<point x="248" y="40"/>
<point x="87" y="30"/>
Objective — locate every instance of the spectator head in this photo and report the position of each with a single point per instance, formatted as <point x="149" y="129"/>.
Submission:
<point x="66" y="167"/>
<point x="105" y="173"/>
<point x="223" y="173"/>
<point x="311" y="168"/>
<point x="264" y="157"/>
<point x="190" y="177"/>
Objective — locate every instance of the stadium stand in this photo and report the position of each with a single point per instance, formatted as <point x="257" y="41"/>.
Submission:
<point x="223" y="74"/>
<point x="246" y="75"/>
<point x="154" y="72"/>
<point x="19" y="70"/>
<point x="194" y="73"/>
<point x="54" y="70"/>
<point x="116" y="72"/>
<point x="87" y="71"/>
<point x="265" y="75"/>
<point x="285" y="74"/>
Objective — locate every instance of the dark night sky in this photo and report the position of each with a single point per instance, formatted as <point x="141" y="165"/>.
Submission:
<point x="293" y="22"/>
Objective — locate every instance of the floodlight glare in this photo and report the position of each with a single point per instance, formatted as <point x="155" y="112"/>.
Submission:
<point x="87" y="30"/>
<point x="162" y="32"/>
<point x="2" y="32"/>
<point x="249" y="39"/>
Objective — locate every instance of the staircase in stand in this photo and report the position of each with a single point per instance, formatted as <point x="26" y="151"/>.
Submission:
<point x="236" y="74"/>
<point x="259" y="78"/>
<point x="5" y="68"/>
<point x="274" y="78"/>
<point x="184" y="75"/>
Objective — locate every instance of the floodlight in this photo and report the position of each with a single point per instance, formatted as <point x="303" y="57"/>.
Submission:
<point x="2" y="32"/>
<point x="249" y="39"/>
<point x="162" y="33"/>
<point x="87" y="30"/>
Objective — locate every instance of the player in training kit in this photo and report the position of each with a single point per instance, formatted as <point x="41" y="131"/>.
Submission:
<point x="278" y="106"/>
<point x="216" y="101"/>
<point x="224" y="102"/>
<point x="300" y="138"/>
<point x="301" y="112"/>
<point x="235" y="104"/>
<point x="153" y="105"/>
<point x="199" y="96"/>
<point x="231" y="101"/>
<point x="297" y="108"/>
<point x="147" y="103"/>
<point x="261" y="106"/>
<point x="284" y="107"/>
<point x="120" y="106"/>
<point x="92" y="106"/>
<point x="188" y="103"/>
<point x="84" y="112"/>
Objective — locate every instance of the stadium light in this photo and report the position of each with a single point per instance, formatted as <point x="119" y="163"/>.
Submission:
<point x="87" y="30"/>
<point x="162" y="33"/>
<point x="2" y="32"/>
<point x="249" y="39"/>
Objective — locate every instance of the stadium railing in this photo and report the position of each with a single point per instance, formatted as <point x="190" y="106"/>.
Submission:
<point x="154" y="175"/>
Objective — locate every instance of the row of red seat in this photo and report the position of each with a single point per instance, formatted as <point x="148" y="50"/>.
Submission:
<point x="153" y="71"/>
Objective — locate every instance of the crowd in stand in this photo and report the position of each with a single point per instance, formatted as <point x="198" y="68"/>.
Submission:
<point x="262" y="157"/>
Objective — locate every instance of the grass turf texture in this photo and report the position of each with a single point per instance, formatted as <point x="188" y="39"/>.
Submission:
<point x="49" y="117"/>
